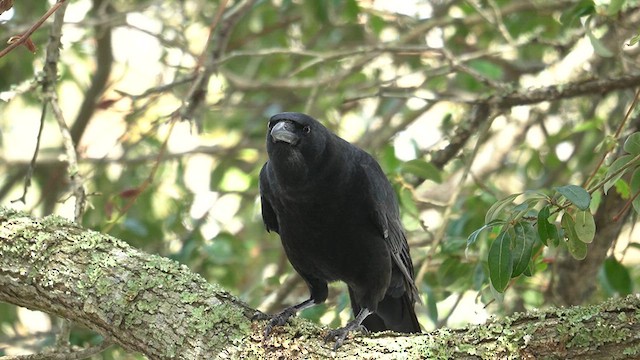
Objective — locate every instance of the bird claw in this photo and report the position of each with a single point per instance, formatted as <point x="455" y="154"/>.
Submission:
<point x="274" y="320"/>
<point x="340" y="335"/>
<point x="259" y="315"/>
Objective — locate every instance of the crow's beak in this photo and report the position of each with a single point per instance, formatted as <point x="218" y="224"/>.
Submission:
<point x="284" y="131"/>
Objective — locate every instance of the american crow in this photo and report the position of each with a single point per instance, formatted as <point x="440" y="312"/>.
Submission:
<point x="338" y="219"/>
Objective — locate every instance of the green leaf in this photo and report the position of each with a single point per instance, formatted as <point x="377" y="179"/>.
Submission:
<point x="351" y="10"/>
<point x="585" y="226"/>
<point x="635" y="190"/>
<point x="488" y="69"/>
<point x="546" y="230"/>
<point x="499" y="261"/>
<point x="474" y="235"/>
<point x="523" y="209"/>
<point x="524" y="239"/>
<point x="632" y="144"/>
<point x="576" y="195"/>
<point x="583" y="8"/>
<point x="377" y="23"/>
<point x="388" y="160"/>
<point x="623" y="189"/>
<point x="597" y="45"/>
<point x="614" y="7"/>
<point x="577" y="248"/>
<point x="617" y="276"/>
<point x="422" y="169"/>
<point x="407" y="202"/>
<point x="498" y="206"/>
<point x="634" y="40"/>
<point x="432" y="308"/>
<point x="615" y="166"/>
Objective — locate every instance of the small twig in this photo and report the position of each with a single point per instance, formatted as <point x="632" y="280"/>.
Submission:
<point x="25" y="36"/>
<point x="77" y="182"/>
<point x="486" y="118"/>
<point x="456" y="64"/>
<point x="494" y="19"/>
<point x="632" y="163"/>
<point x="626" y="207"/>
<point x="616" y="136"/>
<point x="202" y="73"/>
<point x="158" y="89"/>
<point x="32" y="164"/>
<point x="148" y="181"/>
<point x="443" y="322"/>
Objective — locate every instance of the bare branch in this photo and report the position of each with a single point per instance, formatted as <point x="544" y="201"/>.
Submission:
<point x="23" y="38"/>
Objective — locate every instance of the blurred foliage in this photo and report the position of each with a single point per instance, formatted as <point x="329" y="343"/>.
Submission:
<point x="399" y="81"/>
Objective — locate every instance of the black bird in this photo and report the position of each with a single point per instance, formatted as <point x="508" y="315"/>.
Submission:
<point x="338" y="219"/>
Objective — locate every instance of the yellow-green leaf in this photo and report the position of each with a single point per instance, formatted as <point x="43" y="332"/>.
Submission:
<point x="577" y="248"/>
<point x="495" y="209"/>
<point x="585" y="226"/>
<point x="632" y="144"/>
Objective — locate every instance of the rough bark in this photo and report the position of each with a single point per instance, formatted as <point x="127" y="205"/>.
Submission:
<point x="157" y="307"/>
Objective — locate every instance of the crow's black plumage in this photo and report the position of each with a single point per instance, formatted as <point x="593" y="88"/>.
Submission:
<point x="337" y="216"/>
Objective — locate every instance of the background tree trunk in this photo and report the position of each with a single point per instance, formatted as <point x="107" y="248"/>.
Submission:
<point x="155" y="306"/>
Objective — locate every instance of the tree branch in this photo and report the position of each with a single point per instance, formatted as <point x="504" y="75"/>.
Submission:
<point x="155" y="306"/>
<point x="565" y="91"/>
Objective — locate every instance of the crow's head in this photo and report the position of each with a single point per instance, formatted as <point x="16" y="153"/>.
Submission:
<point x="296" y="143"/>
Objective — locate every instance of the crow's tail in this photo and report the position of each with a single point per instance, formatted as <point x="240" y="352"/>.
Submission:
<point x="393" y="313"/>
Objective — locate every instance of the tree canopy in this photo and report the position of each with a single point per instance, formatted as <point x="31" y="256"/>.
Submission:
<point x="509" y="130"/>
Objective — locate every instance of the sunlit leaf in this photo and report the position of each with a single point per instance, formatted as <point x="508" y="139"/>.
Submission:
<point x="422" y="169"/>
<point x="495" y="209"/>
<point x="632" y="144"/>
<point x="614" y="7"/>
<point x="585" y="226"/>
<point x="487" y="68"/>
<point x="577" y="248"/>
<point x="615" y="166"/>
<point x="634" y="40"/>
<point x="623" y="188"/>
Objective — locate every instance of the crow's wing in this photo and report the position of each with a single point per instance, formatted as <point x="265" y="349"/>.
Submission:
<point x="268" y="215"/>
<point x="386" y="216"/>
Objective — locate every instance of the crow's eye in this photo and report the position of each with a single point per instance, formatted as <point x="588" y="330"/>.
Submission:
<point x="306" y="129"/>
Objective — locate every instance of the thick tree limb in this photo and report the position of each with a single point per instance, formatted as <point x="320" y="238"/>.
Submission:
<point x="565" y="91"/>
<point x="158" y="307"/>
